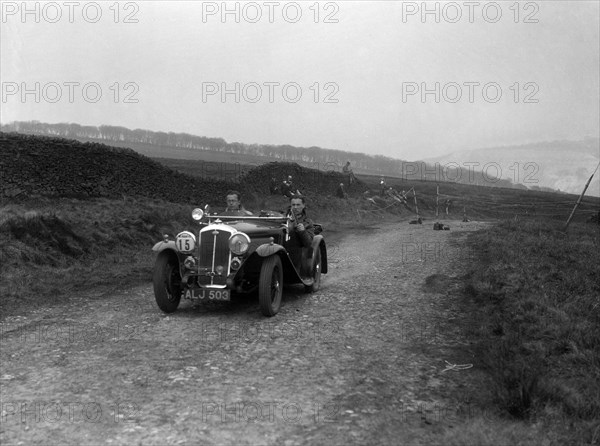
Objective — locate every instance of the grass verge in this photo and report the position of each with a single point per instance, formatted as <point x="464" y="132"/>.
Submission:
<point x="50" y="248"/>
<point x="536" y="295"/>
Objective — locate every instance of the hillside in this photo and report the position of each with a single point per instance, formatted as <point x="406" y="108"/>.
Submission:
<point x="184" y="146"/>
<point x="55" y="167"/>
<point x="558" y="165"/>
<point x="33" y="166"/>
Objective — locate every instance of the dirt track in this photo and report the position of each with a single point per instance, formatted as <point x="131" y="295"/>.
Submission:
<point x="359" y="362"/>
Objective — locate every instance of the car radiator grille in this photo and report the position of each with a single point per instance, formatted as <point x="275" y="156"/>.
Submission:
<point x="214" y="251"/>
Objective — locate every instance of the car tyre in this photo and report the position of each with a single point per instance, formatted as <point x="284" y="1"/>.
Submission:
<point x="270" y="285"/>
<point x="316" y="273"/>
<point x="167" y="283"/>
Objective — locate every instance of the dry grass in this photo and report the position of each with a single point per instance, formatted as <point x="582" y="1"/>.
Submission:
<point x="51" y="247"/>
<point x="537" y="291"/>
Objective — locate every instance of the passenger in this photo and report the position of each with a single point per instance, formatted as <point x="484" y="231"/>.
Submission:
<point x="234" y="205"/>
<point x="300" y="227"/>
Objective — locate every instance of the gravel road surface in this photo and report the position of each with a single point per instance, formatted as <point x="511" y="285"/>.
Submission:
<point x="359" y="362"/>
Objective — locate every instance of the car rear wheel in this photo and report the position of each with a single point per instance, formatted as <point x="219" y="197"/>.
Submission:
<point x="167" y="283"/>
<point x="270" y="285"/>
<point x="316" y="273"/>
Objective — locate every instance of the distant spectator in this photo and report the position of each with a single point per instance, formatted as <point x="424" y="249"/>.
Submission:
<point x="273" y="187"/>
<point x="448" y="203"/>
<point x="287" y="188"/>
<point x="403" y="197"/>
<point x="341" y="191"/>
<point x="347" y="169"/>
<point x="382" y="186"/>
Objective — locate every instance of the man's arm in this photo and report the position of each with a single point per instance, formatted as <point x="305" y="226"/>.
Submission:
<point x="308" y="233"/>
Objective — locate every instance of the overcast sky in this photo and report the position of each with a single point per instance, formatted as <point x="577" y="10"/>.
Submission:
<point x="343" y="75"/>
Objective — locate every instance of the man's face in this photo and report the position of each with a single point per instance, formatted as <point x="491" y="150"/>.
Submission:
<point x="233" y="202"/>
<point x="297" y="205"/>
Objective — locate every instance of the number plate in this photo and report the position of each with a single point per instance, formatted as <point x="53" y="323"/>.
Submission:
<point x="206" y="294"/>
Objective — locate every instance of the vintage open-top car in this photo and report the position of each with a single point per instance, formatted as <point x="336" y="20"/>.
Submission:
<point x="239" y="254"/>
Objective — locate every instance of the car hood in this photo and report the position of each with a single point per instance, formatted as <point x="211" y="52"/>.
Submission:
<point x="255" y="226"/>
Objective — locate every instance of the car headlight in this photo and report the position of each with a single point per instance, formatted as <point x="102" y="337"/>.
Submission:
<point x="185" y="241"/>
<point x="197" y="214"/>
<point x="239" y="243"/>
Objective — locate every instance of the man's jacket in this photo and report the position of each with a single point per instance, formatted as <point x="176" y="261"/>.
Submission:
<point x="301" y="238"/>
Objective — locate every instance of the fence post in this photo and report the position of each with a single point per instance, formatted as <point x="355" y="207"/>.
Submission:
<point x="415" y="198"/>
<point x="437" y="200"/>
<point x="580" y="198"/>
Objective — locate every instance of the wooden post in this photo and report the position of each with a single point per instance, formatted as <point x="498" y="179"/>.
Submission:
<point x="437" y="200"/>
<point x="415" y="197"/>
<point x="580" y="198"/>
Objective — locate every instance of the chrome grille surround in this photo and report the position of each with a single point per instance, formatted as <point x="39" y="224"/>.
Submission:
<point x="213" y="250"/>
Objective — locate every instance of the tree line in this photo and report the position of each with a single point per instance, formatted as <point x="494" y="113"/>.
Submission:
<point x="326" y="159"/>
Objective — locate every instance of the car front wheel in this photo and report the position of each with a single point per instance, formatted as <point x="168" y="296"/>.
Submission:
<point x="167" y="283"/>
<point x="270" y="286"/>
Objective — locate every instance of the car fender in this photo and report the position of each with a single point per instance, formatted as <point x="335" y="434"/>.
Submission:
<point x="319" y="243"/>
<point x="161" y="246"/>
<point x="267" y="249"/>
<point x="289" y="270"/>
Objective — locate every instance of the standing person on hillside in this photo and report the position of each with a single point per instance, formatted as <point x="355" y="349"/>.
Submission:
<point x="448" y="203"/>
<point x="348" y="171"/>
<point x="382" y="186"/>
<point x="273" y="187"/>
<point x="341" y="191"/>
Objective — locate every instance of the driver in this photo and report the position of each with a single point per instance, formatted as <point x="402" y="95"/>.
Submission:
<point x="234" y="205"/>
